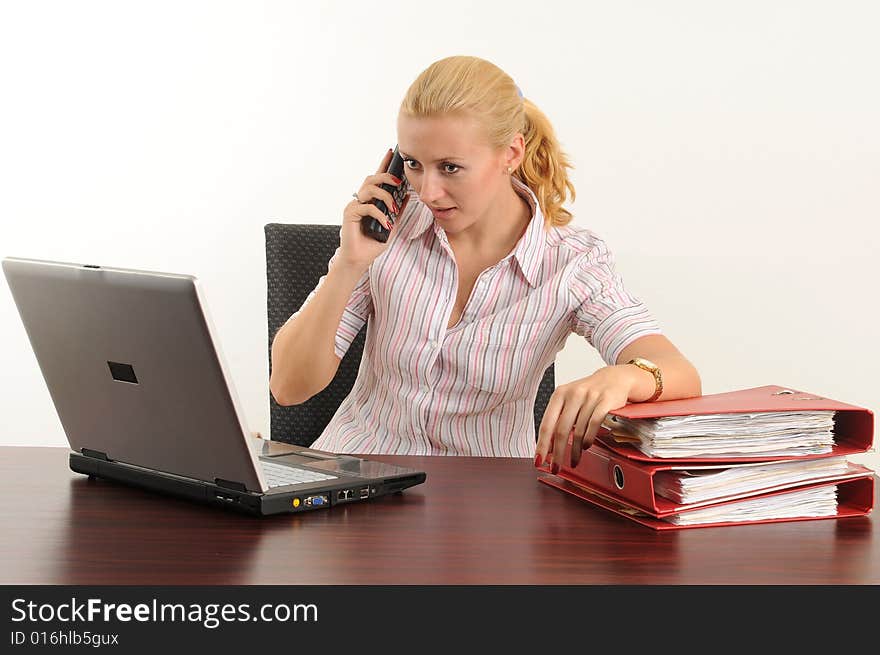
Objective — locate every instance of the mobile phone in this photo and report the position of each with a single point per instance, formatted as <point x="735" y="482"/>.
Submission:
<point x="369" y="225"/>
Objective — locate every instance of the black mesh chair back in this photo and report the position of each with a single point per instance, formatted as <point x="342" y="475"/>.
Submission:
<point x="296" y="258"/>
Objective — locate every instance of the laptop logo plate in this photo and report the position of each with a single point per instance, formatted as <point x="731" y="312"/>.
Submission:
<point x="122" y="372"/>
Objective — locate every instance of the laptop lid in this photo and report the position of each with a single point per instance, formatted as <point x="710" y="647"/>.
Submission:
<point x="133" y="368"/>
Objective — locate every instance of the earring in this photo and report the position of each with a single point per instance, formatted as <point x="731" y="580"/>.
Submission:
<point x="509" y="170"/>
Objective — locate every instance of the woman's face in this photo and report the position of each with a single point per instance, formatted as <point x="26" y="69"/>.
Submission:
<point x="452" y="168"/>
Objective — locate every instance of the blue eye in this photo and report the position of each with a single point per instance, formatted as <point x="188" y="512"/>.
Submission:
<point x="455" y="166"/>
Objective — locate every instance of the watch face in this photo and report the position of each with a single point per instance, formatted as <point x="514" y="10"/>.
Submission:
<point x="654" y="370"/>
<point x="638" y="361"/>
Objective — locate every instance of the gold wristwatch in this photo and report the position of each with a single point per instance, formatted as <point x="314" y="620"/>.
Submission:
<point x="652" y="368"/>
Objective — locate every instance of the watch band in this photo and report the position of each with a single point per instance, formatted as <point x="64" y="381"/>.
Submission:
<point x="654" y="370"/>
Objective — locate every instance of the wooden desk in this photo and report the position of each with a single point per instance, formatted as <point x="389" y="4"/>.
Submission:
<point x="475" y="521"/>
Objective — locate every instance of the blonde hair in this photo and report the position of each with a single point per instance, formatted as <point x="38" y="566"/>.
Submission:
<point x="478" y="88"/>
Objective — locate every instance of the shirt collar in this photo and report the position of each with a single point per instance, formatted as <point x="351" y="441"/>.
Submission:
<point x="529" y="250"/>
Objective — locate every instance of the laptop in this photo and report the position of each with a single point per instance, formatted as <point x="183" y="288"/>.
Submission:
<point x="145" y="398"/>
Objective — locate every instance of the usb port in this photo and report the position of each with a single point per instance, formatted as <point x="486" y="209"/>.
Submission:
<point x="365" y="492"/>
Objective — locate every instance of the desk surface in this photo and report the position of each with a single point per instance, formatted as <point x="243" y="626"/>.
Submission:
<point x="475" y="521"/>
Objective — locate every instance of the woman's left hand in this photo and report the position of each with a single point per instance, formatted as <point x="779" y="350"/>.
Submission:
<point x="576" y="411"/>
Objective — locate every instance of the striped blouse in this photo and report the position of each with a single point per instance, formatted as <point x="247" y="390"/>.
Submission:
<point x="426" y="389"/>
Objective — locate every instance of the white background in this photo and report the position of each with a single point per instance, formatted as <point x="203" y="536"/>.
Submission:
<point x="728" y="152"/>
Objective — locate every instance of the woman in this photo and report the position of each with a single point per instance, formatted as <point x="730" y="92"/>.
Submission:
<point x="477" y="288"/>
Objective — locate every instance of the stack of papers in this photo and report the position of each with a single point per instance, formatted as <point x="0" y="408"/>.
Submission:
<point x="759" y="434"/>
<point x="696" y="485"/>
<point x="807" y="503"/>
<point x="761" y="454"/>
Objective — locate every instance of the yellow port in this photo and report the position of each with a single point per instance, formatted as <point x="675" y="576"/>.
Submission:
<point x="296" y="502"/>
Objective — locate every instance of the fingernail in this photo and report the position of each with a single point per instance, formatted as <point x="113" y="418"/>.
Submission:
<point x="397" y="181"/>
<point x="538" y="461"/>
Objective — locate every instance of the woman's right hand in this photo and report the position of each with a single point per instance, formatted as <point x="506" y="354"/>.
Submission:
<point x="357" y="249"/>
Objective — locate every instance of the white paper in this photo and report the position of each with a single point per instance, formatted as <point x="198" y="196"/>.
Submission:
<point x="698" y="485"/>
<point x="760" y="434"/>
<point x="807" y="503"/>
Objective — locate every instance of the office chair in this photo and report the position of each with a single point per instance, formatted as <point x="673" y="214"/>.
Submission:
<point x="296" y="258"/>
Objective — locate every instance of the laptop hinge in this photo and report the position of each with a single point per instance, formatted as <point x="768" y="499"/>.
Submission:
<point x="94" y="454"/>
<point x="228" y="484"/>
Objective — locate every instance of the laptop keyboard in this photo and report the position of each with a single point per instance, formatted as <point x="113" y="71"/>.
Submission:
<point x="279" y="475"/>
